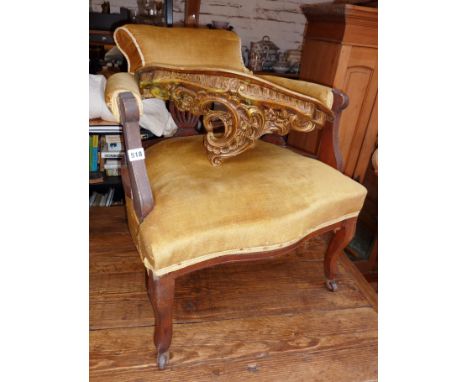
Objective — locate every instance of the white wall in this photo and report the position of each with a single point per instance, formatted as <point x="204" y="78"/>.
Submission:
<point x="283" y="21"/>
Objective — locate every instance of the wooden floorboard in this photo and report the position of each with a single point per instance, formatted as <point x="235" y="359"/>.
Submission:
<point x="271" y="320"/>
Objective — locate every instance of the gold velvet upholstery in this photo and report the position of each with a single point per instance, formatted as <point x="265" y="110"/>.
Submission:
<point x="145" y="45"/>
<point x="200" y="49"/>
<point x="320" y="92"/>
<point x="265" y="199"/>
<point x="121" y="83"/>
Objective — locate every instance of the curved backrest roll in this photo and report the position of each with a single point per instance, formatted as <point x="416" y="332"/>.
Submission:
<point x="144" y="45"/>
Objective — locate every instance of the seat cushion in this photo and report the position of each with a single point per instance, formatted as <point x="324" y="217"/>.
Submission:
<point x="266" y="199"/>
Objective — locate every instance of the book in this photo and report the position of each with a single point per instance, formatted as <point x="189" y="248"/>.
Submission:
<point x="97" y="199"/>
<point x="90" y="152"/>
<point x="113" y="172"/>
<point x="101" y="160"/>
<point x="94" y="152"/>
<point x="110" y="197"/>
<point x="92" y="198"/>
<point x="102" y="201"/>
<point x="112" y="154"/>
<point x="112" y="164"/>
<point x="113" y="143"/>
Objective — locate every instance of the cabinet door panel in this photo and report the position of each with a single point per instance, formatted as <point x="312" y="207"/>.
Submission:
<point x="319" y="61"/>
<point x="368" y="146"/>
<point x="360" y="84"/>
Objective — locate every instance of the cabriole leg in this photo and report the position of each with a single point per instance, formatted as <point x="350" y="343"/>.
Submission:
<point x="339" y="241"/>
<point x="161" y="294"/>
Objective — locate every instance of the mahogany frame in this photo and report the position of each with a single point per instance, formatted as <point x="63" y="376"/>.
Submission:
<point x="137" y="188"/>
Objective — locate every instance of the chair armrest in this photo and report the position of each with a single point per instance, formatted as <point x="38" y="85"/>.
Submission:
<point x="320" y="92"/>
<point x="329" y="150"/>
<point x="120" y="83"/>
<point x="140" y="190"/>
<point x="249" y="106"/>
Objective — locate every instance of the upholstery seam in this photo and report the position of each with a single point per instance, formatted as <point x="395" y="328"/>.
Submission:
<point x="136" y="44"/>
<point x="186" y="263"/>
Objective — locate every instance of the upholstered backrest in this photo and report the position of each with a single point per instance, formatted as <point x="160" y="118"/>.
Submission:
<point x="144" y="45"/>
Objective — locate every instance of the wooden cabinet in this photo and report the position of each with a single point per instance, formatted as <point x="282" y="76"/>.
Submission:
<point x="340" y="50"/>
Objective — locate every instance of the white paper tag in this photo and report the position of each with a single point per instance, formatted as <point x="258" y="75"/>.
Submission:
<point x="136" y="154"/>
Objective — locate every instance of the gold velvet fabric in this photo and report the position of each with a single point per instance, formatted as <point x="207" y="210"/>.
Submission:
<point x="265" y="199"/>
<point x="201" y="49"/>
<point x="320" y="92"/>
<point x="143" y="45"/>
<point x="121" y="83"/>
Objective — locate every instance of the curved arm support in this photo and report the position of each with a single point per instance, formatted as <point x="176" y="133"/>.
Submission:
<point x="141" y="193"/>
<point x="329" y="150"/>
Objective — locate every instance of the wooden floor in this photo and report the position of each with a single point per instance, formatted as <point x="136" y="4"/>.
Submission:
<point x="260" y="321"/>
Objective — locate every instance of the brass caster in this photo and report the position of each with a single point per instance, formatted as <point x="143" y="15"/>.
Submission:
<point x="163" y="359"/>
<point x="331" y="285"/>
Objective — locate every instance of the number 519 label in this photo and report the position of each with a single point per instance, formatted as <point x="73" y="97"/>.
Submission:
<point x="136" y="154"/>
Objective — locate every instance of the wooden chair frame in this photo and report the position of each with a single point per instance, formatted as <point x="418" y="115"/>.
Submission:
<point x="137" y="188"/>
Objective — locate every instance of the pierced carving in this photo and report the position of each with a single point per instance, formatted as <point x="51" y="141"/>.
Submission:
<point x="250" y="107"/>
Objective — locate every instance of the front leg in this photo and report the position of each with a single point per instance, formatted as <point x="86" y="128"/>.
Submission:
<point x="161" y="293"/>
<point x="342" y="237"/>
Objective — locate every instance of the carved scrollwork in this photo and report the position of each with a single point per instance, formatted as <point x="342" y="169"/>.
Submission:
<point x="249" y="108"/>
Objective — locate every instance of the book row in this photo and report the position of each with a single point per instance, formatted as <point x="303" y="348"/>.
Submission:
<point x="105" y="154"/>
<point x="107" y="199"/>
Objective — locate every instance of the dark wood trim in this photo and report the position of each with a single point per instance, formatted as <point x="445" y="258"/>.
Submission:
<point x="126" y="179"/>
<point x="186" y="122"/>
<point x="341" y="23"/>
<point x="192" y="13"/>
<point x="275" y="139"/>
<point x="141" y="193"/>
<point x="161" y="294"/>
<point x="339" y="241"/>
<point x="329" y="150"/>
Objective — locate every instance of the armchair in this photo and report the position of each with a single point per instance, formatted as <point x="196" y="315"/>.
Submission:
<point x="198" y="201"/>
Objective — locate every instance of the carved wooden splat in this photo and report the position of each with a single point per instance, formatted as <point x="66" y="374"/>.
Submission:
<point x="251" y="107"/>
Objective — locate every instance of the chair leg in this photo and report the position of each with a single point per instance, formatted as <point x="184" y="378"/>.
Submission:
<point x="161" y="294"/>
<point x="339" y="241"/>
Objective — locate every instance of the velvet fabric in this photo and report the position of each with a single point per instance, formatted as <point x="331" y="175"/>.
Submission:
<point x="143" y="45"/>
<point x="320" y="92"/>
<point x="195" y="49"/>
<point x="121" y="83"/>
<point x="265" y="199"/>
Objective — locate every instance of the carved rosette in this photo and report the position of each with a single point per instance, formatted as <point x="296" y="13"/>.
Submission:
<point x="247" y="108"/>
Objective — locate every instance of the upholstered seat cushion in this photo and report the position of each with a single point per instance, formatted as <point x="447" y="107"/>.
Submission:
<point x="265" y="199"/>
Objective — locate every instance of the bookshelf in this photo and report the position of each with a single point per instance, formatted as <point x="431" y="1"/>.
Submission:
<point x="106" y="150"/>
